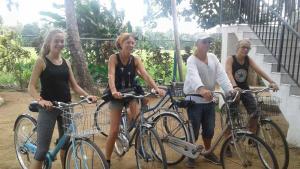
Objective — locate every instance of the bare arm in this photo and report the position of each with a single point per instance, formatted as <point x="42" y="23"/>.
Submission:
<point x="74" y="85"/>
<point x="36" y="72"/>
<point x="259" y="71"/>
<point x="228" y="69"/>
<point x="111" y="73"/>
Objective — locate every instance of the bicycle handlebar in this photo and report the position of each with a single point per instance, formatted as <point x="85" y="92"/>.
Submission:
<point x="265" y="89"/>
<point x="57" y="104"/>
<point x="219" y="93"/>
<point x="133" y="95"/>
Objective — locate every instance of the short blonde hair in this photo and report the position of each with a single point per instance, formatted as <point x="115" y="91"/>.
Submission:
<point x="243" y="43"/>
<point x="123" y="37"/>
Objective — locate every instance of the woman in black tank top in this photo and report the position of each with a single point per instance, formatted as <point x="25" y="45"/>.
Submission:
<point x="55" y="75"/>
<point x="237" y="67"/>
<point x="122" y="70"/>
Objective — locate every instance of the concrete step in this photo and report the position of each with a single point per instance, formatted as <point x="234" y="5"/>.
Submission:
<point x="295" y="90"/>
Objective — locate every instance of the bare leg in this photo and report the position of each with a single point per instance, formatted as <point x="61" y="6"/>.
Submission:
<point x="133" y="110"/>
<point x="253" y="122"/>
<point x="207" y="143"/>
<point x="36" y="164"/>
<point x="62" y="158"/>
<point x="115" y="117"/>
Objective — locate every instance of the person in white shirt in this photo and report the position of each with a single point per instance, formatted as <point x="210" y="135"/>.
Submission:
<point x="204" y="71"/>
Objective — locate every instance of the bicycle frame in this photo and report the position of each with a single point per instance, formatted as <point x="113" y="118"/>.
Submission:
<point x="51" y="154"/>
<point x="192" y="150"/>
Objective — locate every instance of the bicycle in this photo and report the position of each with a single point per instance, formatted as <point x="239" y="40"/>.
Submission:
<point x="81" y="151"/>
<point x="148" y="146"/>
<point x="268" y="130"/>
<point x="238" y="140"/>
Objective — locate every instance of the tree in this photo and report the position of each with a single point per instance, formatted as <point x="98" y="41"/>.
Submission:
<point x="30" y="33"/>
<point x="78" y="58"/>
<point x="14" y="59"/>
<point x="205" y="12"/>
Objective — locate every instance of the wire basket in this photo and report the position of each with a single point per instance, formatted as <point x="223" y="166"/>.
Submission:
<point x="239" y="116"/>
<point x="177" y="89"/>
<point x="269" y="105"/>
<point x="79" y="122"/>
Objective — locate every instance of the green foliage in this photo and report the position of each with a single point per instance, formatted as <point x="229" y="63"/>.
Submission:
<point x="159" y="64"/>
<point x="216" y="45"/>
<point x="14" y="59"/>
<point x="30" y="34"/>
<point x="206" y="12"/>
<point x="94" y="21"/>
<point x="6" y="78"/>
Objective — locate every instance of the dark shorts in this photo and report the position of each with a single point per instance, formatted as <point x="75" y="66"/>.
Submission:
<point x="202" y="115"/>
<point x="249" y="103"/>
<point x="118" y="104"/>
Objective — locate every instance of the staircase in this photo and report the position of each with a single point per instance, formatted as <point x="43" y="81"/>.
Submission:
<point x="275" y="39"/>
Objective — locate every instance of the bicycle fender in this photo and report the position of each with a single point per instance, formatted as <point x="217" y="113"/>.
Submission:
<point x="24" y="115"/>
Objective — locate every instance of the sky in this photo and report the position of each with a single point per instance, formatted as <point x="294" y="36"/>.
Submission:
<point x="135" y="10"/>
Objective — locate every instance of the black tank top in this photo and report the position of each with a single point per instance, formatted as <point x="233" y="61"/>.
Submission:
<point x="125" y="74"/>
<point x="55" y="82"/>
<point x="240" y="72"/>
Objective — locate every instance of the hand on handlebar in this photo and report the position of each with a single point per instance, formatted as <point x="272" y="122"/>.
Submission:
<point x="205" y="93"/>
<point x="117" y="95"/>
<point x="161" y="92"/>
<point x="45" y="104"/>
<point x="92" y="98"/>
<point x="274" y="87"/>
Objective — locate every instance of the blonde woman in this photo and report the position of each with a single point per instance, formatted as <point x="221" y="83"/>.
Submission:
<point x="122" y="70"/>
<point x="56" y="78"/>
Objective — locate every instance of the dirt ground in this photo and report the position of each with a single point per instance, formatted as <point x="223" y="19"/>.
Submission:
<point x="16" y="103"/>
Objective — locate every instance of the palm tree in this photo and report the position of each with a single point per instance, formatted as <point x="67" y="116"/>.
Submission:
<point x="78" y="57"/>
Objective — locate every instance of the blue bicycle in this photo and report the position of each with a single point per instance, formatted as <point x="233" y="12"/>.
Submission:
<point x="78" y="126"/>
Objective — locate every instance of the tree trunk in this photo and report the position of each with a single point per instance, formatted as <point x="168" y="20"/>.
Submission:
<point x="78" y="57"/>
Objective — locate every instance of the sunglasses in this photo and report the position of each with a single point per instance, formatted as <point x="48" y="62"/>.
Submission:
<point x="246" y="47"/>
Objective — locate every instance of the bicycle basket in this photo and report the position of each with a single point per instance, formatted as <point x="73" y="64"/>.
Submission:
<point x="269" y="105"/>
<point x="80" y="121"/>
<point x="177" y="89"/>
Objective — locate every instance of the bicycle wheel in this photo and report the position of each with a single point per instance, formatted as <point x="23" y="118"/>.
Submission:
<point x="274" y="137"/>
<point x="85" y="154"/>
<point x="102" y="118"/>
<point x="247" y="151"/>
<point x="169" y="124"/>
<point x="149" y="151"/>
<point x="24" y="132"/>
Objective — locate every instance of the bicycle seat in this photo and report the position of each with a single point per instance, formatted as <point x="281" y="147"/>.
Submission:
<point x="33" y="106"/>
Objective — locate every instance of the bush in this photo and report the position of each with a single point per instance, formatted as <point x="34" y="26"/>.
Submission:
<point x="14" y="59"/>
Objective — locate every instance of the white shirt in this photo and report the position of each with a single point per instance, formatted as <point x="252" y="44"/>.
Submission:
<point x="200" y="74"/>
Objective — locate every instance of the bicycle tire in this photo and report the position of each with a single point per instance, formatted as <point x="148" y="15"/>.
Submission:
<point x="92" y="160"/>
<point x="271" y="137"/>
<point x="28" y="124"/>
<point x="162" y="124"/>
<point x="245" y="141"/>
<point x="102" y="118"/>
<point x="146" y="153"/>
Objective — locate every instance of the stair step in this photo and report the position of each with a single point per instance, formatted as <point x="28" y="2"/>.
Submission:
<point x="295" y="90"/>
